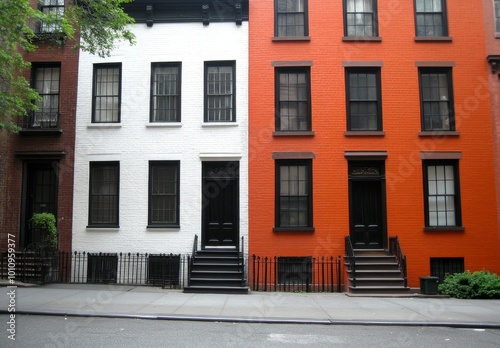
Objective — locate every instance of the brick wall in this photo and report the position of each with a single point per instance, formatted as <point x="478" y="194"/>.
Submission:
<point x="399" y="52"/>
<point x="13" y="166"/>
<point x="134" y="142"/>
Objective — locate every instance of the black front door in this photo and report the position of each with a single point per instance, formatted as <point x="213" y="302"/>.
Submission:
<point x="220" y="204"/>
<point x="367" y="210"/>
<point x="39" y="196"/>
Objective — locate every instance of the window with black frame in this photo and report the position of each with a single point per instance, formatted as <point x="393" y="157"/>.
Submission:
<point x="293" y="194"/>
<point x="293" y="106"/>
<point x="106" y="98"/>
<point x="441" y="193"/>
<point x="166" y="92"/>
<point x="46" y="81"/>
<point x="104" y="194"/>
<point x="360" y="18"/>
<point x="291" y="18"/>
<point x="364" y="104"/>
<point x="436" y="98"/>
<point x="430" y="18"/>
<point x="164" y="193"/>
<point x="220" y="91"/>
<point x="54" y="10"/>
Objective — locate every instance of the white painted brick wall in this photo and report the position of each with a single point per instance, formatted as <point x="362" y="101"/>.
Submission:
<point x="134" y="144"/>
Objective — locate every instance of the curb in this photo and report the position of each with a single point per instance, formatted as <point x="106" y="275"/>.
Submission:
<point x="464" y="325"/>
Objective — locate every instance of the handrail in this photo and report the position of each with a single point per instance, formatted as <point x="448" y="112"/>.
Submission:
<point x="349" y="254"/>
<point x="396" y="250"/>
<point x="242" y="257"/>
<point x="191" y="259"/>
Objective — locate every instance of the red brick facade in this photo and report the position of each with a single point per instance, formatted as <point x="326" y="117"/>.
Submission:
<point x="20" y="149"/>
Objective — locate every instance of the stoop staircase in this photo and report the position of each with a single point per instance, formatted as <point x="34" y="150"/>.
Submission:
<point x="217" y="271"/>
<point x="377" y="271"/>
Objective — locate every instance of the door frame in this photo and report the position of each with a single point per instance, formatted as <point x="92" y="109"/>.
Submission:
<point x="27" y="188"/>
<point x="373" y="171"/>
<point x="222" y="173"/>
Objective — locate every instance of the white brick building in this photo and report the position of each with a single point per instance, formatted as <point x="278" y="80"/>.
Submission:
<point x="161" y="138"/>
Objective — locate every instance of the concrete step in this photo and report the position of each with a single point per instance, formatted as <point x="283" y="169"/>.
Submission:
<point x="379" y="289"/>
<point x="217" y="289"/>
<point x="378" y="282"/>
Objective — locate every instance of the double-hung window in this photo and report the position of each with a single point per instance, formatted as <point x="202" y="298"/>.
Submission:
<point x="290" y="18"/>
<point x="441" y="193"/>
<point x="163" y="194"/>
<point x="497" y="16"/>
<point x="364" y="100"/>
<point x="53" y="10"/>
<point x="220" y="91"/>
<point x="436" y="99"/>
<point x="166" y="92"/>
<point x="293" y="194"/>
<point x="104" y="190"/>
<point x="293" y="99"/>
<point x="430" y="17"/>
<point x="46" y="80"/>
<point x="360" y="18"/>
<point x="106" y="97"/>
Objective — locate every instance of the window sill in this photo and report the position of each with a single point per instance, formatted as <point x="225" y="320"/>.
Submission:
<point x="104" y="125"/>
<point x="219" y="124"/>
<point x="444" y="229"/>
<point x="293" y="229"/>
<point x="163" y="125"/>
<point x="497" y="35"/>
<point x="291" y="38"/>
<point x="156" y="227"/>
<point x="364" y="133"/>
<point x="438" y="134"/>
<point x="433" y="38"/>
<point x="293" y="134"/>
<point x="362" y="39"/>
<point x="110" y="228"/>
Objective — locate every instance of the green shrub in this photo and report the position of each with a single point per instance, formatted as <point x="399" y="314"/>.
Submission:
<point x="467" y="285"/>
<point x="46" y="223"/>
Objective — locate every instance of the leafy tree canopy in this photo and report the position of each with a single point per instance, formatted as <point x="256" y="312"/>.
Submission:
<point x="100" y="23"/>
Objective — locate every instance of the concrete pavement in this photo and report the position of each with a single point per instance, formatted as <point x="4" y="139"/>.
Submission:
<point x="89" y="300"/>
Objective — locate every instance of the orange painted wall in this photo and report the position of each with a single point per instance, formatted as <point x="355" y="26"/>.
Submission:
<point x="493" y="48"/>
<point x="398" y="50"/>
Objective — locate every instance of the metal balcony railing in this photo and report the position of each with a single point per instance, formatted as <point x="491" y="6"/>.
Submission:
<point x="38" y="120"/>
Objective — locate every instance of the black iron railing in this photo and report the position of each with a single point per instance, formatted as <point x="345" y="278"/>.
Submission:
<point x="296" y="274"/>
<point x="351" y="260"/>
<point x="395" y="249"/>
<point x="191" y="258"/>
<point x="38" y="120"/>
<point x="242" y="260"/>
<point x="165" y="270"/>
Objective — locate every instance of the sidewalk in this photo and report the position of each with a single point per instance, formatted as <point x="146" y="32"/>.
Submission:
<point x="119" y="301"/>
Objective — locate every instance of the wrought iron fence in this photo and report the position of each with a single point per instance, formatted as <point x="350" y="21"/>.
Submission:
<point x="296" y="274"/>
<point x="165" y="270"/>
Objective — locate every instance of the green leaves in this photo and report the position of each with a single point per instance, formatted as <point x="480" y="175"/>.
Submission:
<point x="467" y="285"/>
<point x="100" y="24"/>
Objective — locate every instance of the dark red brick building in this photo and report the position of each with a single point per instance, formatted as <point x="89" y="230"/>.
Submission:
<point x="36" y="165"/>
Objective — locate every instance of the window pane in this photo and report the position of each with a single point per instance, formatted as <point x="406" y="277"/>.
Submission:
<point x="294" y="198"/>
<point x="106" y="94"/>
<point x="220" y="95"/>
<point x="104" y="193"/>
<point x="163" y="193"/>
<point x="293" y="101"/>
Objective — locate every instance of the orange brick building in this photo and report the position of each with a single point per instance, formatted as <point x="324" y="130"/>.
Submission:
<point x="371" y="119"/>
